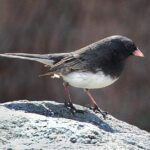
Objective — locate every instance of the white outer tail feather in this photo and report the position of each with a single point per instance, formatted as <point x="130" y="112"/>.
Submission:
<point x="31" y="57"/>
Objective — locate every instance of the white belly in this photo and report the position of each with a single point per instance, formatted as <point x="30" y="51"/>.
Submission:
<point x="88" y="80"/>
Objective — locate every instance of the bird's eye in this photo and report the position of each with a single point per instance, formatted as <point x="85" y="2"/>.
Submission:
<point x="131" y="47"/>
<point x="128" y="46"/>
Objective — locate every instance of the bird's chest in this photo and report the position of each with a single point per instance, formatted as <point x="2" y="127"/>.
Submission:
<point x="89" y="80"/>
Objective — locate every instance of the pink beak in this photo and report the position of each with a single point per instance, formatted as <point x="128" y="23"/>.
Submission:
<point x="138" y="53"/>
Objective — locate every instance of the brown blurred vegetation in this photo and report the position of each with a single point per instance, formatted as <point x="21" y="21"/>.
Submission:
<point x="51" y="26"/>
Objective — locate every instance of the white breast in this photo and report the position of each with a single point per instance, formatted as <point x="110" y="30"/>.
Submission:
<point x="89" y="80"/>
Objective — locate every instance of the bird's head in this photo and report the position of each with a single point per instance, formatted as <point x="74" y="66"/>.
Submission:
<point x="124" y="47"/>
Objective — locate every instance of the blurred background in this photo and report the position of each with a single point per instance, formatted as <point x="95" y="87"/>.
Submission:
<point x="51" y="26"/>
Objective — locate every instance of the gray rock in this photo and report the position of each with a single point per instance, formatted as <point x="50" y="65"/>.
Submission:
<point x="47" y="125"/>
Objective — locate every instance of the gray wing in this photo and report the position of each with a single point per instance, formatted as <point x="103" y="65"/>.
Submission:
<point x="78" y="60"/>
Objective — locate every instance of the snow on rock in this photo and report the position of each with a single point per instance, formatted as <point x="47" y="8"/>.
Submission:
<point x="47" y="125"/>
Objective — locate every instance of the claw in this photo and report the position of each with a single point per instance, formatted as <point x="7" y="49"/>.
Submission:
<point x="96" y="109"/>
<point x="72" y="108"/>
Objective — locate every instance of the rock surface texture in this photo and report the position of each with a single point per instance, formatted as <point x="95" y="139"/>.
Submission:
<point x="47" y="125"/>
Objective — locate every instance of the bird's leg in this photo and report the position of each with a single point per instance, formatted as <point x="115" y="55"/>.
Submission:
<point x="96" y="107"/>
<point x="69" y="103"/>
<point x="66" y="86"/>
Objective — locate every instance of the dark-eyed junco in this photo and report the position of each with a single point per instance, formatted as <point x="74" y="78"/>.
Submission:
<point x="94" y="66"/>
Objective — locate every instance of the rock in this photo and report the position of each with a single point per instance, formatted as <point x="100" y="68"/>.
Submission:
<point x="47" y="125"/>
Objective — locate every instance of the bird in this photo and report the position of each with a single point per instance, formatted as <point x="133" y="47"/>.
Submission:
<point x="95" y="66"/>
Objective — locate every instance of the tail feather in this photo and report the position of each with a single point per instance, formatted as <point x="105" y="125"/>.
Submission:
<point x="47" y="59"/>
